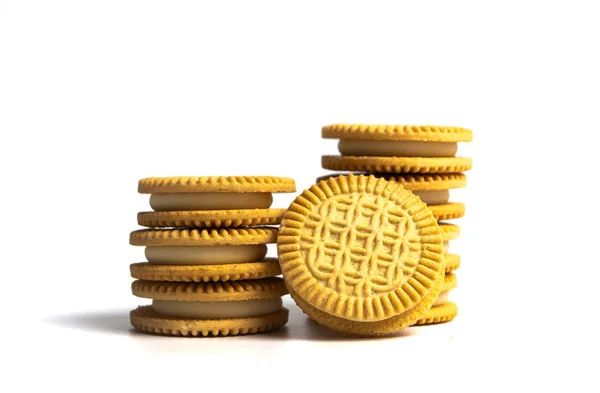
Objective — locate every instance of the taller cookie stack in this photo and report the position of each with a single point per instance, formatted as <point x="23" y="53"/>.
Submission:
<point x="206" y="271"/>
<point x="423" y="159"/>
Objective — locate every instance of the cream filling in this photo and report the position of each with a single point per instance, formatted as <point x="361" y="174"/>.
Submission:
<point x="351" y="147"/>
<point x="434" y="197"/>
<point x="211" y="201"/>
<point x="442" y="299"/>
<point x="215" y="255"/>
<point x="446" y="246"/>
<point x="217" y="310"/>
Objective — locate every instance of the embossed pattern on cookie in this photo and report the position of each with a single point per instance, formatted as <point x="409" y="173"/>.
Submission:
<point x="360" y="248"/>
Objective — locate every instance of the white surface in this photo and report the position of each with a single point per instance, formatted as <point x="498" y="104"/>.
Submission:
<point x="95" y="95"/>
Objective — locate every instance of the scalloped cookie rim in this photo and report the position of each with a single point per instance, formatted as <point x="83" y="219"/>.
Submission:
<point x="211" y="219"/>
<point x="397" y="164"/>
<point x="203" y="237"/>
<point x="400" y="132"/>
<point x="227" y="291"/>
<point x="199" y="184"/>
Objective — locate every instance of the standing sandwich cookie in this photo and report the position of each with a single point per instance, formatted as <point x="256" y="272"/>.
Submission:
<point x="397" y="148"/>
<point x="442" y="310"/>
<point x="205" y="254"/>
<point x="433" y="189"/>
<point x="212" y="201"/>
<point x="361" y="255"/>
<point x="215" y="309"/>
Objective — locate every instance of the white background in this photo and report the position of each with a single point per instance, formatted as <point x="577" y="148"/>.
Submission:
<point x="95" y="95"/>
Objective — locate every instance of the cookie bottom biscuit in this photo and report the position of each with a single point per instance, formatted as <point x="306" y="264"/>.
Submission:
<point x="369" y="329"/>
<point x="447" y="211"/>
<point x="211" y="218"/>
<point x="205" y="273"/>
<point x="397" y="164"/>
<point x="146" y="319"/>
<point x="440" y="314"/>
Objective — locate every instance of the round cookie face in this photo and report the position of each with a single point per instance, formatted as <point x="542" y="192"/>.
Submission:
<point x="444" y="313"/>
<point x="448" y="211"/>
<point x="206" y="273"/>
<point x="397" y="133"/>
<point x="211" y="218"/>
<point x="397" y="164"/>
<point x="266" y="288"/>
<point x="371" y="329"/>
<point x="360" y="248"/>
<point x="452" y="262"/>
<point x="415" y="182"/>
<point x="202" y="237"/>
<point x="183" y="184"/>
<point x="146" y="319"/>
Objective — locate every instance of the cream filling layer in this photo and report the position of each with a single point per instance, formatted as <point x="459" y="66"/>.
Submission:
<point x="215" y="255"/>
<point x="442" y="299"/>
<point x="217" y="310"/>
<point x="352" y="147"/>
<point x="446" y="246"/>
<point x="434" y="197"/>
<point x="211" y="201"/>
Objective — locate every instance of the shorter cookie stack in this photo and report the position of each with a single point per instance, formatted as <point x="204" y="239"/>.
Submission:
<point x="206" y="272"/>
<point x="421" y="158"/>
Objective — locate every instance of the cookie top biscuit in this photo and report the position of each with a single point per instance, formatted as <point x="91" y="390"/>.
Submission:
<point x="417" y="182"/>
<point x="266" y="288"/>
<point x="360" y="248"/>
<point x="183" y="184"/>
<point x="452" y="262"/>
<point x="397" y="132"/>
<point x="211" y="218"/>
<point x="449" y="231"/>
<point x="203" y="237"/>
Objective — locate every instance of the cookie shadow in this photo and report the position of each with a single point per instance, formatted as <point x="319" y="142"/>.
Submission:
<point x="115" y="322"/>
<point x="299" y="327"/>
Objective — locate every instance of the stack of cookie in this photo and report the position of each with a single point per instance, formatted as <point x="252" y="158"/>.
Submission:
<point x="206" y="270"/>
<point x="421" y="158"/>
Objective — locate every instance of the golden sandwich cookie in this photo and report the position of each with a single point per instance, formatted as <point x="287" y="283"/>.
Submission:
<point x="212" y="201"/>
<point x="198" y="255"/>
<point x="397" y="148"/>
<point x="442" y="310"/>
<point x="433" y="189"/>
<point x="361" y="255"/>
<point x="210" y="309"/>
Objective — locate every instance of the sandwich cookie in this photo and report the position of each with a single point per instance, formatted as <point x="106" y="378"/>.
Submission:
<point x="442" y="310"/>
<point x="361" y="255"/>
<point x="205" y="254"/>
<point x="397" y="148"/>
<point x="433" y="189"/>
<point x="212" y="201"/>
<point x="210" y="309"/>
